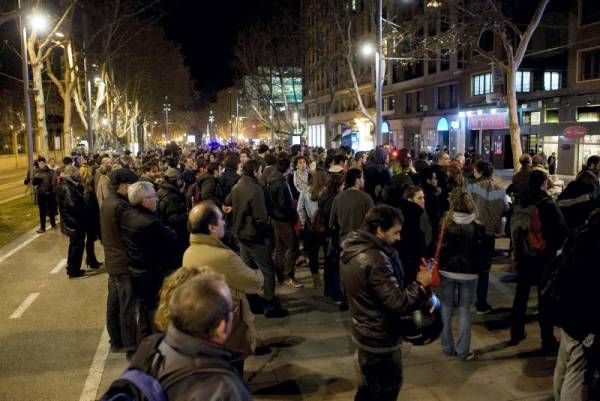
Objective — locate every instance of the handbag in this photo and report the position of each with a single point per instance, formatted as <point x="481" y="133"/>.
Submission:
<point x="433" y="263"/>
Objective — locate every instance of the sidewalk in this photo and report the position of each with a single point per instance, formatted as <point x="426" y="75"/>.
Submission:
<point x="308" y="356"/>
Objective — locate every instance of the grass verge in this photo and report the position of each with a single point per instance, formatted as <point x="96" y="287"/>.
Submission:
<point x="16" y="218"/>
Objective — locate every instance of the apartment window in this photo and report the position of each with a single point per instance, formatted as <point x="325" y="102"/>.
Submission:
<point x="408" y="103"/>
<point x="388" y="103"/>
<point x="589" y="12"/>
<point x="589" y="65"/>
<point x="481" y="84"/>
<point x="551" y="81"/>
<point x="588" y="114"/>
<point x="551" y="116"/>
<point x="419" y="100"/>
<point x="523" y="81"/>
<point x="453" y="89"/>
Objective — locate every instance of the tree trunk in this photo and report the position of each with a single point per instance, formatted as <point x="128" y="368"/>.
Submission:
<point x="67" y="126"/>
<point x="513" y="116"/>
<point x="41" y="130"/>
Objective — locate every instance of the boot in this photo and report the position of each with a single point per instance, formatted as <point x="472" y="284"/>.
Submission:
<point x="317" y="284"/>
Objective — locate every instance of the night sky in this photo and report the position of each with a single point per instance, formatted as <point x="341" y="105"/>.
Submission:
<point x="206" y="31"/>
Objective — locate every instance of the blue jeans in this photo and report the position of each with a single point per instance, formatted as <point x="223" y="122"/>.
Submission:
<point x="483" y="282"/>
<point x="466" y="291"/>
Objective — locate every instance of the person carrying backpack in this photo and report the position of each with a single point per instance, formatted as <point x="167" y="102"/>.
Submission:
<point x="189" y="362"/>
<point x="538" y="230"/>
<point x="569" y="295"/>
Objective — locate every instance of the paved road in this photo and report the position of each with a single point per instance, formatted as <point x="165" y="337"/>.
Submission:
<point x="11" y="184"/>
<point x="53" y="348"/>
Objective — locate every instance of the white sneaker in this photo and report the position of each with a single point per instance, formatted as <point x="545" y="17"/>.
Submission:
<point x="290" y="282"/>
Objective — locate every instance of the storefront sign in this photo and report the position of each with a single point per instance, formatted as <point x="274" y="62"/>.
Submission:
<point x="574" y="132"/>
<point x="488" y="121"/>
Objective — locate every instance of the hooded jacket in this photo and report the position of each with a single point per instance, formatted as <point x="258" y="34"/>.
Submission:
<point x="491" y="202"/>
<point x="373" y="278"/>
<point x="461" y="256"/>
<point x="250" y="217"/>
<point x="576" y="203"/>
<point x="377" y="176"/>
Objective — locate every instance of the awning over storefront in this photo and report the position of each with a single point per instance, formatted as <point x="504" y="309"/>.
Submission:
<point x="558" y="129"/>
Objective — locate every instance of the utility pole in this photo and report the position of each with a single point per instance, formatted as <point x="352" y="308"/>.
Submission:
<point x="26" y="92"/>
<point x="166" y="109"/>
<point x="378" y="74"/>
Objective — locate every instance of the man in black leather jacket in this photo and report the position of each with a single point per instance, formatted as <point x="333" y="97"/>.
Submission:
<point x="377" y="296"/>
<point x="149" y="245"/>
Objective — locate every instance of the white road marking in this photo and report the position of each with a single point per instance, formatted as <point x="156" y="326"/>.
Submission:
<point x="26" y="304"/>
<point x="92" y="383"/>
<point x="62" y="263"/>
<point x="18" y="248"/>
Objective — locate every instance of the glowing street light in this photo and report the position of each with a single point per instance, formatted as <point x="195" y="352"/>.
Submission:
<point x="367" y="49"/>
<point x="39" y="23"/>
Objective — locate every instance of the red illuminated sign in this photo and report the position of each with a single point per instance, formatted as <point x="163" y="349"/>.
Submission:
<point x="488" y="121"/>
<point x="575" y="132"/>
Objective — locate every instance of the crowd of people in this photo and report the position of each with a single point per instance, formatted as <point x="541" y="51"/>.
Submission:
<point x="197" y="240"/>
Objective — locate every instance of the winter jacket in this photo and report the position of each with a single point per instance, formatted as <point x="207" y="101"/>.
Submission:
<point x="208" y="187"/>
<point x="182" y="351"/>
<point x="149" y="245"/>
<point x="348" y="210"/>
<point x="377" y="177"/>
<point x="578" y="282"/>
<point x="576" y="203"/>
<point x="520" y="182"/>
<point x="71" y="205"/>
<point x="44" y="180"/>
<point x="441" y="174"/>
<point x="461" y="256"/>
<point x="394" y="192"/>
<point x="434" y="210"/>
<point x="172" y="210"/>
<point x="102" y="184"/>
<point x="411" y="246"/>
<point x="373" y="279"/>
<point x="115" y="257"/>
<point x="491" y="202"/>
<point x="225" y="183"/>
<point x="205" y="250"/>
<point x="267" y="172"/>
<point x="280" y="202"/>
<point x="250" y="217"/>
<point x="325" y="204"/>
<point x="553" y="227"/>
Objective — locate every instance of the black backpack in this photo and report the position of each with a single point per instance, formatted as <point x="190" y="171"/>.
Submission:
<point x="139" y="381"/>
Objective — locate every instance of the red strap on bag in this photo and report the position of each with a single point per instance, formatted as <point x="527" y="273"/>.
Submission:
<point x="436" y="280"/>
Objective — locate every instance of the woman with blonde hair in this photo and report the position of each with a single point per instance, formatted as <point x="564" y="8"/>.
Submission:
<point x="170" y="284"/>
<point x="461" y="260"/>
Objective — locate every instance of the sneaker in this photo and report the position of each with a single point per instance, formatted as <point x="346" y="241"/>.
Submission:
<point x="290" y="282"/>
<point x="40" y="231"/>
<point x="485" y="310"/>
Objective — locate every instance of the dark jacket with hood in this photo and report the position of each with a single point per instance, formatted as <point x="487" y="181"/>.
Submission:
<point x="279" y="199"/>
<point x="44" y="180"/>
<point x="250" y="216"/>
<point x="225" y="183"/>
<point x="172" y="209"/>
<point x="182" y="351"/>
<point x="377" y="176"/>
<point x="411" y="246"/>
<point x="149" y="245"/>
<point x="373" y="278"/>
<point x="462" y="246"/>
<point x="208" y="187"/>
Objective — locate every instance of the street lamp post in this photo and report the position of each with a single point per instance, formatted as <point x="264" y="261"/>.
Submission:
<point x="166" y="109"/>
<point x="27" y="98"/>
<point x="379" y="58"/>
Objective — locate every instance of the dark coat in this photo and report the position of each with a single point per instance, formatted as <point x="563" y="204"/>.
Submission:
<point x="250" y="216"/>
<point x="349" y="210"/>
<point x="554" y="231"/>
<point x="149" y="245"/>
<point x="115" y="257"/>
<point x="434" y="210"/>
<point x="462" y="248"/>
<point x="182" y="351"/>
<point x="225" y="184"/>
<point x="576" y="203"/>
<point x="377" y="177"/>
<point x="280" y="202"/>
<point x="72" y="207"/>
<point x="520" y="182"/>
<point x="411" y="246"/>
<point x="208" y="187"/>
<point x="441" y="174"/>
<point x="373" y="279"/>
<point x="44" y="180"/>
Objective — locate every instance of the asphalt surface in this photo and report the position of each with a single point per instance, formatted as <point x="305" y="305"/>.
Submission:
<point x="47" y="348"/>
<point x="11" y="185"/>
